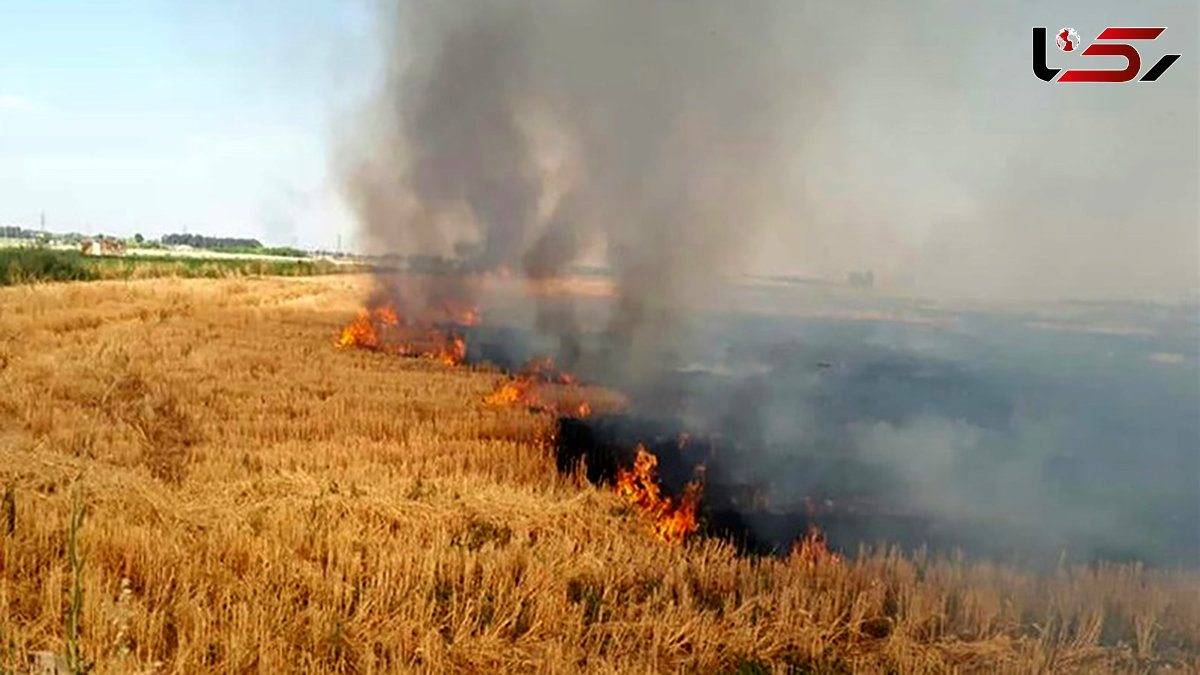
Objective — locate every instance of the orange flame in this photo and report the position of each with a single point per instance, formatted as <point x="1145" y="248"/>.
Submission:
<point x="524" y="389"/>
<point x="386" y="315"/>
<point x="671" y="520"/>
<point x="512" y="392"/>
<point x="811" y="551"/>
<point x="362" y="331"/>
<point x="373" y="329"/>
<point x="359" y="333"/>
<point x="454" y="353"/>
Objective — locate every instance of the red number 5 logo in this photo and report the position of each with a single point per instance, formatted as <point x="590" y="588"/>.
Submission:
<point x="1133" y="60"/>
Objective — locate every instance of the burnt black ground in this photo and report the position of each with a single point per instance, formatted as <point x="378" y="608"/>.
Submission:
<point x="1008" y="435"/>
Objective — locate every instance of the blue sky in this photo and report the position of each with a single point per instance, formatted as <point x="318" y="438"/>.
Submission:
<point x="154" y="116"/>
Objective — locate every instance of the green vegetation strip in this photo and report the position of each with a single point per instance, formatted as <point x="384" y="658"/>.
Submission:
<point x="31" y="265"/>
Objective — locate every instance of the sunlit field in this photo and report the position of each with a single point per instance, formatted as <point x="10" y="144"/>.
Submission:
<point x="196" y="478"/>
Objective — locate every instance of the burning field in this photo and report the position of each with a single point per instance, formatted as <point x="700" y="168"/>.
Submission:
<point x="509" y="152"/>
<point x="569" y="424"/>
<point x="539" y="387"/>
<point x="658" y="469"/>
<point x="250" y="495"/>
<point x="737" y="434"/>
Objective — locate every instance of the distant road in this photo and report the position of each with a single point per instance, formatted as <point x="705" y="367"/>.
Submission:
<point x="206" y="254"/>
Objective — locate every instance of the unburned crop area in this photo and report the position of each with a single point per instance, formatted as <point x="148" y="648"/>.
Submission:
<point x="194" y="478"/>
<point x="33" y="265"/>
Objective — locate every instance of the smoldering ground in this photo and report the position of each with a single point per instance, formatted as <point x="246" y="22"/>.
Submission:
<point x="681" y="144"/>
<point x="993" y="432"/>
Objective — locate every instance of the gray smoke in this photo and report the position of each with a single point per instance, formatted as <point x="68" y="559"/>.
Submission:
<point x="539" y="135"/>
<point x="681" y="141"/>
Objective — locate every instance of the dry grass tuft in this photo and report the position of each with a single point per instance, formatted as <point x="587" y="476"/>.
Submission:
<point x="165" y="429"/>
<point x="259" y="501"/>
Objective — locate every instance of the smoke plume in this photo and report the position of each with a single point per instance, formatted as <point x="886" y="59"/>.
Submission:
<point x="536" y="136"/>
<point x="681" y="141"/>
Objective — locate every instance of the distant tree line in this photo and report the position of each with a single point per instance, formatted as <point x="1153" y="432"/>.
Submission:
<point x="17" y="232"/>
<point x="201" y="241"/>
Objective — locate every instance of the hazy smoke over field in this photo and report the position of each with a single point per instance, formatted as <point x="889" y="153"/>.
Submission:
<point x="808" y="138"/>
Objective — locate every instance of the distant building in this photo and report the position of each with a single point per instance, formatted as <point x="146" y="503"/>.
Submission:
<point x="102" y="246"/>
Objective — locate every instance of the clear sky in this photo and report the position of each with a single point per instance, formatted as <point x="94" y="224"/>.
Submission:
<point x="156" y="116"/>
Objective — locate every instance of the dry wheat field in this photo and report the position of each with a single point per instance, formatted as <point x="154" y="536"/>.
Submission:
<point x="197" y="480"/>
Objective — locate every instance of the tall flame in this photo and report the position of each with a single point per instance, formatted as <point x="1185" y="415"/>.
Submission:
<point x="672" y="520"/>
